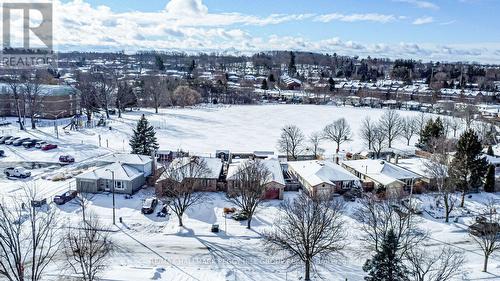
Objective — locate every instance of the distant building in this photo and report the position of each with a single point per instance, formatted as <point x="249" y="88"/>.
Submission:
<point x="55" y="100"/>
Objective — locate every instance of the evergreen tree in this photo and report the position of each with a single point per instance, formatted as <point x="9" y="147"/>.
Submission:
<point x="386" y="265"/>
<point x="490" y="151"/>
<point x="489" y="184"/>
<point x="468" y="168"/>
<point x="331" y="84"/>
<point x="433" y="130"/>
<point x="292" y="69"/>
<point x="159" y="63"/>
<point x="264" y="85"/>
<point x="144" y="140"/>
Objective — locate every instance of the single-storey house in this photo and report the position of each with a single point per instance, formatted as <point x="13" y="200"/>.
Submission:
<point x="205" y="172"/>
<point x="381" y="174"/>
<point x="125" y="178"/>
<point x="322" y="176"/>
<point x="275" y="184"/>
<point x="143" y="163"/>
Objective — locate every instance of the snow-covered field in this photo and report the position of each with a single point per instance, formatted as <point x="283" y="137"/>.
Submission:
<point x="202" y="130"/>
<point x="151" y="248"/>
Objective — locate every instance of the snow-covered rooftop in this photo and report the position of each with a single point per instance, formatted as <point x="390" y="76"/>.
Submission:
<point x="121" y="172"/>
<point x="126" y="158"/>
<point x="273" y="165"/>
<point x="380" y="170"/>
<point x="317" y="172"/>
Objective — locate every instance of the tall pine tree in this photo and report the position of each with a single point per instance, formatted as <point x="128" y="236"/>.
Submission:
<point x="468" y="168"/>
<point x="489" y="184"/>
<point x="144" y="139"/>
<point x="386" y="265"/>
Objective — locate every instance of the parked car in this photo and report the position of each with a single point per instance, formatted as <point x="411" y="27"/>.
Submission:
<point x="2" y="153"/>
<point x="11" y="140"/>
<point x="215" y="228"/>
<point x="20" y="141"/>
<point x="149" y="206"/>
<point x="240" y="216"/>
<point x="49" y="146"/>
<point x="17" y="172"/>
<point x="38" y="203"/>
<point x="65" y="197"/>
<point x="3" y="139"/>
<point x="39" y="144"/>
<point x="30" y="144"/>
<point x="66" y="159"/>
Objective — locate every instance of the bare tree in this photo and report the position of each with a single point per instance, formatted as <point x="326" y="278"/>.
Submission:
<point x="181" y="179"/>
<point x="456" y="124"/>
<point x="83" y="200"/>
<point x="420" y="122"/>
<point x="105" y="82"/>
<point x="17" y="92"/>
<point x="367" y="132"/>
<point x="185" y="96"/>
<point x="125" y="97"/>
<point x="442" y="265"/>
<point x="309" y="229"/>
<point x="468" y="116"/>
<point x="377" y="218"/>
<point x="249" y="187"/>
<point x="88" y="95"/>
<point x="28" y="238"/>
<point x="437" y="167"/>
<point x="159" y="89"/>
<point x="314" y="144"/>
<point x="88" y="248"/>
<point x="390" y="123"/>
<point x="32" y="98"/>
<point x="408" y="129"/>
<point x="338" y="132"/>
<point x="291" y="141"/>
<point x="488" y="239"/>
<point x="379" y="141"/>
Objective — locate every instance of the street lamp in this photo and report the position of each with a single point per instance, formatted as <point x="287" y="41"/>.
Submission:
<point x="55" y="121"/>
<point x="113" y="192"/>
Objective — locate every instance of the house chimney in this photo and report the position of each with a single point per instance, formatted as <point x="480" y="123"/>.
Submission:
<point x="388" y="158"/>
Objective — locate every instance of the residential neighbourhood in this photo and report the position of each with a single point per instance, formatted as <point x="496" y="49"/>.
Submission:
<point x="200" y="140"/>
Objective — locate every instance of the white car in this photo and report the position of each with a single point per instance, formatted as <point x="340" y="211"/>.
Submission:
<point x="18" y="172"/>
<point x="40" y="144"/>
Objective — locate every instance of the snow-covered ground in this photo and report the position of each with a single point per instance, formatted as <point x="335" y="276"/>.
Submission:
<point x="151" y="248"/>
<point x="205" y="129"/>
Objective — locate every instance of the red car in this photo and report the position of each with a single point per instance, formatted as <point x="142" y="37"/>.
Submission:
<point x="49" y="146"/>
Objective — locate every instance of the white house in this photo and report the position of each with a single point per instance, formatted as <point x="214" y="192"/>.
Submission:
<point x="381" y="173"/>
<point x="322" y="176"/>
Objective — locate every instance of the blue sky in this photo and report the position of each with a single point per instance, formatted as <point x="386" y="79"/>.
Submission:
<point x="466" y="30"/>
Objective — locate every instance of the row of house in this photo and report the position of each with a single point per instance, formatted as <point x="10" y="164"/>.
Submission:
<point x="129" y="173"/>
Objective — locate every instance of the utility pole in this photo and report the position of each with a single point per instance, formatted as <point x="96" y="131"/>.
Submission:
<point x="113" y="192"/>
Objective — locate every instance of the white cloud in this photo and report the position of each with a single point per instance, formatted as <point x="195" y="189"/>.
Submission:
<point x="420" y="4"/>
<point x="81" y="26"/>
<point x="423" y="20"/>
<point x="373" y="17"/>
<point x="186" y="7"/>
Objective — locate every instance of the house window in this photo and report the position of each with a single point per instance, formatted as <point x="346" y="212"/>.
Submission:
<point x="119" y="185"/>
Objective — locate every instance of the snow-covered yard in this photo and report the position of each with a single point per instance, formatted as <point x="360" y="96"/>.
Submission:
<point x="156" y="248"/>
